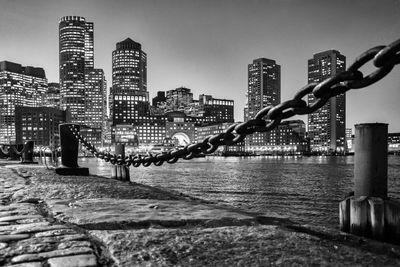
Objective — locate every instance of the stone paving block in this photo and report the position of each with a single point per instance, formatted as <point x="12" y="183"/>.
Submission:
<point x="16" y="227"/>
<point x="88" y="260"/>
<point x="51" y="254"/>
<point x="28" y="264"/>
<point x="7" y="208"/>
<point x="18" y="217"/>
<point x="8" y="238"/>
<point x="57" y="232"/>
<point x="36" y="229"/>
<point x="116" y="213"/>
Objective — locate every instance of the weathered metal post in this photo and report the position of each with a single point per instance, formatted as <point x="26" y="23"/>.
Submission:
<point x="120" y="172"/>
<point x="369" y="212"/>
<point x="370" y="160"/>
<point x="69" y="152"/>
<point x="27" y="153"/>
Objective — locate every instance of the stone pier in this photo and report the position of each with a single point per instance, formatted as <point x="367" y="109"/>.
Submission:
<point x="52" y="220"/>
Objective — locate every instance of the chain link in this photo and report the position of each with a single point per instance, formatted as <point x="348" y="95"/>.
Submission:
<point x="384" y="58"/>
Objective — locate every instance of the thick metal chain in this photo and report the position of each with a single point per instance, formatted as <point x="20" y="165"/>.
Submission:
<point x="384" y="59"/>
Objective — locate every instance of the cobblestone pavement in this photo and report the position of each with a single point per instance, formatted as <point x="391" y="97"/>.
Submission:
<point x="28" y="238"/>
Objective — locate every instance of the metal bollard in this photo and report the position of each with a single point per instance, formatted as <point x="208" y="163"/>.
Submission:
<point x="69" y="152"/>
<point x="370" y="160"/>
<point x="369" y="212"/>
<point x="120" y="172"/>
<point x="27" y="153"/>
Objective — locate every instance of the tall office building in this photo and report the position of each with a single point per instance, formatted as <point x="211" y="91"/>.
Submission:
<point x="326" y="126"/>
<point x="264" y="89"/>
<point x="130" y="99"/>
<point x="76" y="56"/>
<point x="129" y="67"/>
<point x="19" y="86"/>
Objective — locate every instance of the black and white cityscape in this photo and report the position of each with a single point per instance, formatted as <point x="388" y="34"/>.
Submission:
<point x="121" y="111"/>
<point x="199" y="133"/>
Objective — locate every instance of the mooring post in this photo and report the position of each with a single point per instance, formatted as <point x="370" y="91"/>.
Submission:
<point x="120" y="172"/>
<point x="69" y="152"/>
<point x="27" y="153"/>
<point x="369" y="212"/>
<point x="370" y="160"/>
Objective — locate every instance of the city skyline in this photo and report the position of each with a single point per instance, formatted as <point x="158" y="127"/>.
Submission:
<point x="183" y="50"/>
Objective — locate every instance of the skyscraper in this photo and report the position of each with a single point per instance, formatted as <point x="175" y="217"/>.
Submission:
<point x="130" y="99"/>
<point x="129" y="67"/>
<point x="76" y="56"/>
<point x="326" y="126"/>
<point x="131" y="118"/>
<point x="264" y="89"/>
<point x="19" y="86"/>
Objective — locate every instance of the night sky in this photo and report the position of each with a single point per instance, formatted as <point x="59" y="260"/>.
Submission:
<point x="207" y="45"/>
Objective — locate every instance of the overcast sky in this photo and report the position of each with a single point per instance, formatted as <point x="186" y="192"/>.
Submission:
<point x="206" y="45"/>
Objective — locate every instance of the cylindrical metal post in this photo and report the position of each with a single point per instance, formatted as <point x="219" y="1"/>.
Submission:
<point x="27" y="153"/>
<point x="121" y="172"/>
<point x="69" y="152"/>
<point x="120" y="150"/>
<point x="370" y="160"/>
<point x="69" y="145"/>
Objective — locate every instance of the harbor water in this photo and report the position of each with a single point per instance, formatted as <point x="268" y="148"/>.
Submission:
<point x="305" y="189"/>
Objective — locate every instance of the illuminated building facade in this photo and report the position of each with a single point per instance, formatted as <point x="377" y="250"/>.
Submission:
<point x="132" y="123"/>
<point x="288" y="138"/>
<point x="264" y="89"/>
<point x="326" y="126"/>
<point x="76" y="56"/>
<point x="52" y="96"/>
<point x="216" y="110"/>
<point x="130" y="99"/>
<point x="177" y="99"/>
<point x="394" y="143"/>
<point x="95" y="92"/>
<point x="19" y="86"/>
<point x="205" y="131"/>
<point x="180" y="128"/>
<point x="39" y="124"/>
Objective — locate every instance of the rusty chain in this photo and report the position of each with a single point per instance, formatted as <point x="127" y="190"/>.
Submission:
<point x="384" y="58"/>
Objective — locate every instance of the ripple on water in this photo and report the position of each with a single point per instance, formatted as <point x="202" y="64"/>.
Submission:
<point x="306" y="189"/>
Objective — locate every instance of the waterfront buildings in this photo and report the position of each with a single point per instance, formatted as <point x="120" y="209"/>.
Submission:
<point x="180" y="128"/>
<point x="326" y="126"/>
<point x="264" y="89"/>
<point x="39" y="124"/>
<point x="215" y="111"/>
<point x="82" y="87"/>
<point x="203" y="132"/>
<point x="289" y="137"/>
<point x="19" y="86"/>
<point x="178" y="99"/>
